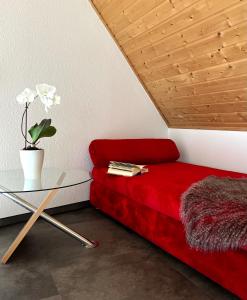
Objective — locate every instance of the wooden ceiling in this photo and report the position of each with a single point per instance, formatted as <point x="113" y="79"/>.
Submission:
<point x="190" y="55"/>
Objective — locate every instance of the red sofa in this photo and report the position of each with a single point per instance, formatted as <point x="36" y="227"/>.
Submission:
<point x="149" y="203"/>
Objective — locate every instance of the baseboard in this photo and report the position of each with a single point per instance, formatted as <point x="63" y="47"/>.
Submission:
<point x="51" y="211"/>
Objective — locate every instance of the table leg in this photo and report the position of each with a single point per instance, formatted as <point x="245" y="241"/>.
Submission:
<point x="37" y="213"/>
<point x="28" y="226"/>
<point x="23" y="203"/>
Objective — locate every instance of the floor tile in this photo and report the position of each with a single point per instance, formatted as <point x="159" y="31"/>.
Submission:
<point x="50" y="265"/>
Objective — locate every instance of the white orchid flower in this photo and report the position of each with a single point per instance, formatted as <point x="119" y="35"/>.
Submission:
<point x="47" y="95"/>
<point x="27" y="96"/>
<point x="57" y="99"/>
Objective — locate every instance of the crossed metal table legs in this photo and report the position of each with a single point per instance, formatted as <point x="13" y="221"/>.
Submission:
<point x="38" y="212"/>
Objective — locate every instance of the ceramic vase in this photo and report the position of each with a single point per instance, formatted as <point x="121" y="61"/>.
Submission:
<point x="32" y="163"/>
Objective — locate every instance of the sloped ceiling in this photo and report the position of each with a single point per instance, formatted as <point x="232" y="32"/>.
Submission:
<point x="190" y="55"/>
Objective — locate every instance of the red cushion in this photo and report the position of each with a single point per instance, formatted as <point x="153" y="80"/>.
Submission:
<point x="137" y="151"/>
<point x="162" y="187"/>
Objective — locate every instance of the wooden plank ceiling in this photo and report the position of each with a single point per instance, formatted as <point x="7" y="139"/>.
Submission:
<point x="190" y="55"/>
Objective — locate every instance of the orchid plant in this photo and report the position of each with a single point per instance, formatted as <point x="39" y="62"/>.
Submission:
<point x="47" y="95"/>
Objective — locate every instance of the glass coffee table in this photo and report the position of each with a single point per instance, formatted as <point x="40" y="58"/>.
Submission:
<point x="12" y="183"/>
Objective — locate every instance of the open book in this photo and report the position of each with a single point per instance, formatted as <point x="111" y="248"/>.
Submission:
<point x="125" y="169"/>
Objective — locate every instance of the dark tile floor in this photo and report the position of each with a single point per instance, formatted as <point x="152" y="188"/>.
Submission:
<point x="51" y="265"/>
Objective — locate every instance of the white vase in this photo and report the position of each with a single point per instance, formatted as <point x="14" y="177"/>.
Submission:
<point x="32" y="163"/>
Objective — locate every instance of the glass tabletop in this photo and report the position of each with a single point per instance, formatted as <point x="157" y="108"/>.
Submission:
<point x="13" y="181"/>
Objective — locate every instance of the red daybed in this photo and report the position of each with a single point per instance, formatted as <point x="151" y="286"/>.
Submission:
<point x="149" y="203"/>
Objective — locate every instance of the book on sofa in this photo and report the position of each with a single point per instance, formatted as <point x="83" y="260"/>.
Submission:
<point x="125" y="169"/>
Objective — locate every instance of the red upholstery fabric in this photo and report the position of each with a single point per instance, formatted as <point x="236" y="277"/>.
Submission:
<point x="162" y="187"/>
<point x="137" y="151"/>
<point x="228" y="269"/>
<point x="149" y="204"/>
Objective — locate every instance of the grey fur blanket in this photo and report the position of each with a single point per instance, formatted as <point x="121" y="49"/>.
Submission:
<point x="214" y="213"/>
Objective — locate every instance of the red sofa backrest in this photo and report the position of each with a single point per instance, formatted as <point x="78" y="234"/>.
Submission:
<point x="137" y="151"/>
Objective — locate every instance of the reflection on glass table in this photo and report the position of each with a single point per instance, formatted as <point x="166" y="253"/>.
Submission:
<point x="14" y="181"/>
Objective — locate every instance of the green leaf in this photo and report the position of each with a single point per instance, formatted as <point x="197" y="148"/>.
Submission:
<point x="48" y="132"/>
<point x="33" y="131"/>
<point x="42" y="130"/>
<point x="32" y="128"/>
<point x="45" y="122"/>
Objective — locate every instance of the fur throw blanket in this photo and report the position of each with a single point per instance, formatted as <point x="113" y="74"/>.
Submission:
<point x="214" y="213"/>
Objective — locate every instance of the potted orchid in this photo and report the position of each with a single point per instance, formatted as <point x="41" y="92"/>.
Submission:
<point x="31" y="155"/>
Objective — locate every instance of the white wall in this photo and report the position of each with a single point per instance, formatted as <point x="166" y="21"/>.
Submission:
<point x="220" y="149"/>
<point x="64" y="43"/>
